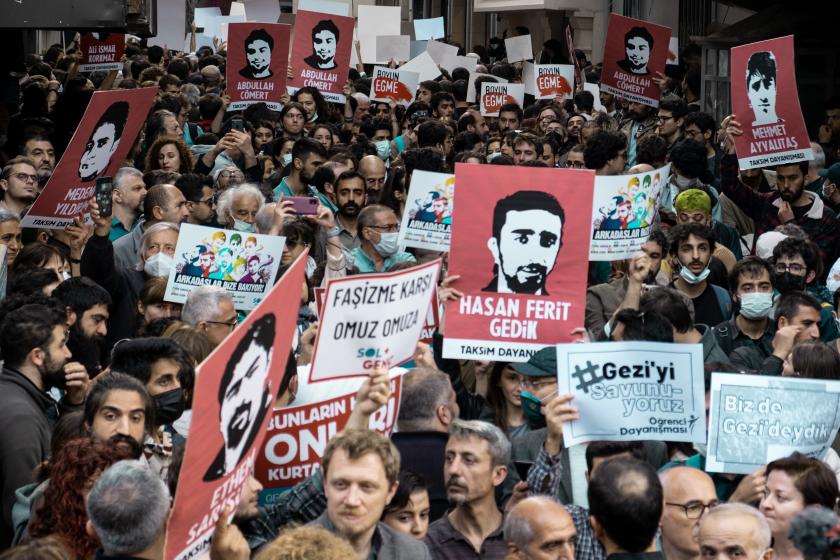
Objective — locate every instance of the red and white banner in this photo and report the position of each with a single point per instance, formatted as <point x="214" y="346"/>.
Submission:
<point x="101" y="51"/>
<point x="321" y="53"/>
<point x="634" y="52"/>
<point x="372" y="320"/>
<point x="549" y="81"/>
<point x="521" y="251"/>
<point x="298" y="435"/>
<point x="494" y="95"/>
<point x="393" y="84"/>
<point x="99" y="147"/>
<point x="235" y="390"/>
<point x="766" y="103"/>
<point x="258" y="55"/>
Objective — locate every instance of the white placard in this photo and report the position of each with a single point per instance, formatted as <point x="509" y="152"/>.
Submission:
<point x="426" y="29"/>
<point x="393" y="47"/>
<point x="424" y="66"/>
<point x="519" y="48"/>
<point x="372" y="22"/>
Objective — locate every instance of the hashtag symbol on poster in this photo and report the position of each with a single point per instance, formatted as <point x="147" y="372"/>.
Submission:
<point x="586" y="377"/>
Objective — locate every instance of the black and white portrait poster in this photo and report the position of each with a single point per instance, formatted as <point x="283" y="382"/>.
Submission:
<point x="256" y="66"/>
<point x="321" y="53"/>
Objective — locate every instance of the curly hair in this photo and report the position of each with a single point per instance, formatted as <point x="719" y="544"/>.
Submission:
<point x="184" y="154"/>
<point x="306" y="543"/>
<point x="62" y="513"/>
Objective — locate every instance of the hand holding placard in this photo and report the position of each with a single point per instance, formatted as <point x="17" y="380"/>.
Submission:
<point x="557" y="411"/>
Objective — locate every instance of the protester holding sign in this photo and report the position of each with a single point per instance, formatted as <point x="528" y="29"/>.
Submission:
<point x="588" y="212"/>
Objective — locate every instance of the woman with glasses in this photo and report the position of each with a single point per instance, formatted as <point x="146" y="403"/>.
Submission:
<point x="548" y="114"/>
<point x="794" y="483"/>
<point x="292" y="119"/>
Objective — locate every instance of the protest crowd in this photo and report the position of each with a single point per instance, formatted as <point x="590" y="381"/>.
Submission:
<point x="147" y="212"/>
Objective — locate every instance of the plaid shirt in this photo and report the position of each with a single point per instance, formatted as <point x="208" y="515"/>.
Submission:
<point x="820" y="223"/>
<point x="544" y="478"/>
<point x="302" y="503"/>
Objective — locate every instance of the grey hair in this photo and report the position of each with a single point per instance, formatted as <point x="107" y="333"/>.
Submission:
<point x="128" y="507"/>
<point x="367" y="217"/>
<point x="737" y="509"/>
<point x="361" y="97"/>
<point x="517" y="528"/>
<point x="144" y="241"/>
<point x="203" y="304"/>
<point x="7" y="216"/>
<point x="423" y="391"/>
<point x="497" y="442"/>
<point x="191" y="92"/>
<point x="819" y="157"/>
<point x="224" y="205"/>
<point x="265" y="217"/>
<point x="124" y="173"/>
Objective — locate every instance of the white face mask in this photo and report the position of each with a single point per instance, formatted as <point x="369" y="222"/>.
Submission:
<point x="756" y="305"/>
<point x="287" y="159"/>
<point x="158" y="264"/>
<point x="383" y="149"/>
<point x="65" y="276"/>
<point x="692" y="278"/>
<point x="241" y="225"/>
<point x="683" y="182"/>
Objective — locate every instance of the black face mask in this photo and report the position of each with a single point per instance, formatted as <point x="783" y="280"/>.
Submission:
<point x="788" y="282"/>
<point x="169" y="406"/>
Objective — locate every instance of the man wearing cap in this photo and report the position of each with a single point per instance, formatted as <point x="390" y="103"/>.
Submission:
<point x="545" y="412"/>
<point x="695" y="206"/>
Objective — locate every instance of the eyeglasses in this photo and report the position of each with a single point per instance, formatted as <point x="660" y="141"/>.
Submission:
<point x="794" y="268"/>
<point x="25" y="177"/>
<point x="575" y="164"/>
<point x="209" y="201"/>
<point x="532" y="385"/>
<point x="695" y="509"/>
<point x="235" y="174"/>
<point x="229" y="324"/>
<point x="388" y="227"/>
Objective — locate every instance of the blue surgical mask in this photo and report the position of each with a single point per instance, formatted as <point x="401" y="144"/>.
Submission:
<point x="756" y="305"/>
<point x="387" y="245"/>
<point x="493" y="155"/>
<point x="240" y="225"/>
<point x="383" y="149"/>
<point x="692" y="278"/>
<point x="287" y="159"/>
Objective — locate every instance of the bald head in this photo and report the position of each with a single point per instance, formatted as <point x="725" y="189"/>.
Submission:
<point x="689" y="494"/>
<point x="735" y="528"/>
<point x="372" y="168"/>
<point x="537" y="525"/>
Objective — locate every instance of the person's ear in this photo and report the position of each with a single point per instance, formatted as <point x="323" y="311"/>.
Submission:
<point x="36" y="356"/>
<point x="141" y="309"/>
<point x="90" y="530"/>
<point x="783" y="322"/>
<point x="157" y="212"/>
<point x="297" y="163"/>
<point x="493" y="245"/>
<point x="43" y="237"/>
<point x="597" y="528"/>
<point x="391" y="491"/>
<point x="71" y="316"/>
<point x="499" y="474"/>
<point x="809" y="277"/>
<point x="444" y="415"/>
<point x="768" y="554"/>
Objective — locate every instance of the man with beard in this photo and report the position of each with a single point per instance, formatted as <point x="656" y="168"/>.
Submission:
<point x="86" y="304"/>
<point x="691" y="251"/>
<point x="19" y="185"/>
<point x="33" y="342"/>
<point x="378" y="250"/>
<point x="40" y="150"/>
<point x="603" y="300"/>
<point x="350" y="198"/>
<point x="129" y="194"/>
<point x="791" y="203"/>
<point x="640" y="122"/>
<point x="307" y="156"/>
<point x="475" y="464"/>
<point x="372" y="168"/>
<point x="527" y="237"/>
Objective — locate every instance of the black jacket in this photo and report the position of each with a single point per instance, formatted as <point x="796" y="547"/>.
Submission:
<point x="25" y="433"/>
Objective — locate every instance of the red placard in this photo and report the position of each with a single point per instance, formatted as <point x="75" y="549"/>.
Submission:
<point x="99" y="147"/>
<point x="235" y="390"/>
<point x="101" y="51"/>
<point x="520" y="242"/>
<point x="321" y="53"/>
<point x="393" y="84"/>
<point x="298" y="435"/>
<point x="494" y="95"/>
<point x="635" y="51"/>
<point x="766" y="104"/>
<point x="258" y="55"/>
